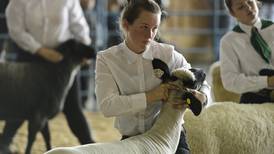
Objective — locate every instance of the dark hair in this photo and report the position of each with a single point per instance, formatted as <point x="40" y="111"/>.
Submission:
<point x="228" y="4"/>
<point x="134" y="7"/>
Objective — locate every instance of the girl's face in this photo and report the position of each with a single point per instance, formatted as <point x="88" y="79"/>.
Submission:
<point x="143" y="30"/>
<point x="245" y="11"/>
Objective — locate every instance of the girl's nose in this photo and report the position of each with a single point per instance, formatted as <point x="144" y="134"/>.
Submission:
<point x="149" y="33"/>
<point x="248" y="7"/>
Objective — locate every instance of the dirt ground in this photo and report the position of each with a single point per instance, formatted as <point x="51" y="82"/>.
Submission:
<point x="101" y="128"/>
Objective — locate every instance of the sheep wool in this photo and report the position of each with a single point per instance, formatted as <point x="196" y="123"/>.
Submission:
<point x="227" y="127"/>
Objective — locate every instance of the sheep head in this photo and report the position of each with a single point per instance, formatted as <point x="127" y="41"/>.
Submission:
<point x="185" y="79"/>
<point x="75" y="51"/>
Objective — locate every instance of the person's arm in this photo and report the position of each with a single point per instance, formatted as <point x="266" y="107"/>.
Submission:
<point x="160" y="93"/>
<point x="15" y="15"/>
<point x="232" y="77"/>
<point x="78" y="24"/>
<point x="113" y="103"/>
<point x="110" y="101"/>
<point x="18" y="32"/>
<point x="50" y="54"/>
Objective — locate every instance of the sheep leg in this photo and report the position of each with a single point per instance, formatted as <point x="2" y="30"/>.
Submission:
<point x="35" y="125"/>
<point x="9" y="131"/>
<point x="46" y="135"/>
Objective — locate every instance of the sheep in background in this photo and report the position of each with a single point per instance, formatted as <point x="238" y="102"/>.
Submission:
<point x="227" y="127"/>
<point x="37" y="92"/>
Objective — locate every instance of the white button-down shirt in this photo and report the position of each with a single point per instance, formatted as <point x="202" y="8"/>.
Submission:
<point x="240" y="63"/>
<point x="123" y="77"/>
<point x="36" y="23"/>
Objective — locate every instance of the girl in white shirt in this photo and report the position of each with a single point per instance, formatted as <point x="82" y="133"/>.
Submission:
<point x="126" y="87"/>
<point x="246" y="51"/>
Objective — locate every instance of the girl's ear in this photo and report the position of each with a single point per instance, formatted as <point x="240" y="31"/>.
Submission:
<point x="125" y="24"/>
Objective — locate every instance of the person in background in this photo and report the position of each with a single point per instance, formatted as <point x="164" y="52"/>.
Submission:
<point x="36" y="28"/>
<point x="126" y="87"/>
<point x="114" y="35"/>
<point x="246" y="53"/>
<point x="267" y="9"/>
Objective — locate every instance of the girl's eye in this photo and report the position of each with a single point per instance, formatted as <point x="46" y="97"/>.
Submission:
<point x="155" y="28"/>
<point x="145" y="27"/>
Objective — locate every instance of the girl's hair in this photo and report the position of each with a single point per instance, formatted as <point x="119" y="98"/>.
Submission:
<point x="133" y="9"/>
<point x="228" y="4"/>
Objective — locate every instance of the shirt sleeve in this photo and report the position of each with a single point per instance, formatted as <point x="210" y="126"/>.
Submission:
<point x="111" y="102"/>
<point x="232" y="77"/>
<point x="15" y="21"/>
<point x="78" y="23"/>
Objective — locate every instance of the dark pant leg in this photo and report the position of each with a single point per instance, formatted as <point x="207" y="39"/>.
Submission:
<point x="75" y="116"/>
<point x="254" y="98"/>
<point x="84" y="84"/>
<point x="182" y="147"/>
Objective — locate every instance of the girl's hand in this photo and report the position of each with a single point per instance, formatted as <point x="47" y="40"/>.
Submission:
<point x="160" y="93"/>
<point x="50" y="55"/>
<point x="270" y="81"/>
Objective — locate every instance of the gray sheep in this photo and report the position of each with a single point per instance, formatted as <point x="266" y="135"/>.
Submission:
<point x="36" y="92"/>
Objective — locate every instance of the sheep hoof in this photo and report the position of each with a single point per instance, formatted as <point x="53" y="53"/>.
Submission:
<point x="194" y="104"/>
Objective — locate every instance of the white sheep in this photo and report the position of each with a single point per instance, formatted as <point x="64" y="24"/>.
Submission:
<point x="226" y="128"/>
<point x="162" y="138"/>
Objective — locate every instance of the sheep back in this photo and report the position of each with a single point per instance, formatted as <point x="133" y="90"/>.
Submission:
<point x="231" y="128"/>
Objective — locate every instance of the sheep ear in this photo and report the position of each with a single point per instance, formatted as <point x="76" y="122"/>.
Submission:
<point x="194" y="104"/>
<point x="200" y="76"/>
<point x="161" y="69"/>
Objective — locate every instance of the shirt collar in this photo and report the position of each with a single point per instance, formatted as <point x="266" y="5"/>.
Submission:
<point x="247" y="28"/>
<point x="132" y="56"/>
